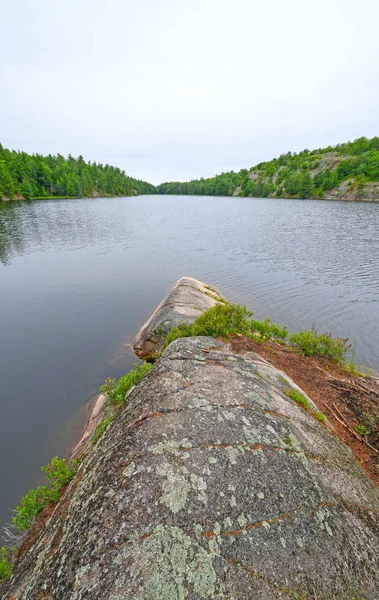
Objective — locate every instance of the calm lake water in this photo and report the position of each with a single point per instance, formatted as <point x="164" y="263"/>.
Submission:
<point x="79" y="277"/>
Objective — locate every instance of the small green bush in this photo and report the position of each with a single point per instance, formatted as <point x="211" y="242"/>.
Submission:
<point x="362" y="430"/>
<point x="228" y="319"/>
<point x="31" y="505"/>
<point x="6" y="567"/>
<point x="298" y="397"/>
<point x="220" y="320"/>
<point x="117" y="391"/>
<point x="310" y="343"/>
<point x="267" y="330"/>
<point x="35" y="501"/>
<point x="59" y="474"/>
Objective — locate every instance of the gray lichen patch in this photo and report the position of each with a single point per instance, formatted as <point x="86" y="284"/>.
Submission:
<point x="174" y="446"/>
<point x="128" y="471"/>
<point x="178" y="484"/>
<point x="164" y="566"/>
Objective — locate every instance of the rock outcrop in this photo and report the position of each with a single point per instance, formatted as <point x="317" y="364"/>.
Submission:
<point x="209" y="483"/>
<point x="96" y="416"/>
<point x="188" y="299"/>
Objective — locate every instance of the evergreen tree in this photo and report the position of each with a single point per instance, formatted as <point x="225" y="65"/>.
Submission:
<point x="33" y="176"/>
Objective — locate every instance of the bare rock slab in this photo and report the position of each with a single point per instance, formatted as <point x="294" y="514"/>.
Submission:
<point x="210" y="483"/>
<point x="188" y="299"/>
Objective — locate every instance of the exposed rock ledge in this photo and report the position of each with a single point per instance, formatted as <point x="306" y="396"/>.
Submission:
<point x="209" y="483"/>
<point x="188" y="299"/>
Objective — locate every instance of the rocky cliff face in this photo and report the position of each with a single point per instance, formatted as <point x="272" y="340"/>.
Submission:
<point x="210" y="483"/>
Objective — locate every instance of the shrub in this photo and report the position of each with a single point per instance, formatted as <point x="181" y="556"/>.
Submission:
<point x="31" y="505"/>
<point x="220" y="320"/>
<point x="310" y="343"/>
<point x="35" y="501"/>
<point x="267" y="330"/>
<point x="6" y="567"/>
<point x="298" y="397"/>
<point x="362" y="430"/>
<point x="227" y="319"/>
<point x="117" y="391"/>
<point x="59" y="474"/>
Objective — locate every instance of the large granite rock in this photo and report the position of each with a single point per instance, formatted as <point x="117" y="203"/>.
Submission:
<point x="210" y="483"/>
<point x="188" y="299"/>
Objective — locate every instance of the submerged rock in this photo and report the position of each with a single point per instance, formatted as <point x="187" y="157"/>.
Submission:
<point x="209" y="483"/>
<point x="188" y="299"/>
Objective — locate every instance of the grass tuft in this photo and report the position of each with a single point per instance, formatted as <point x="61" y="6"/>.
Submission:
<point x="320" y="416"/>
<point x="101" y="428"/>
<point x="298" y="397"/>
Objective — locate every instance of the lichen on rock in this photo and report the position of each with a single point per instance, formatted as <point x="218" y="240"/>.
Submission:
<point x="251" y="498"/>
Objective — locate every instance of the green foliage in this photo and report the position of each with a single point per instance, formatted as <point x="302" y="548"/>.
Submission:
<point x="35" y="501"/>
<point x="117" y="391"/>
<point x="59" y="474"/>
<point x="267" y="330"/>
<point x="320" y="416"/>
<point x="36" y="176"/>
<point x="102" y="427"/>
<point x="31" y="505"/>
<point x="298" y="397"/>
<point x="292" y="174"/>
<point x="225" y="319"/>
<point x="6" y="567"/>
<point x="221" y="320"/>
<point x="310" y="343"/>
<point x="362" y="430"/>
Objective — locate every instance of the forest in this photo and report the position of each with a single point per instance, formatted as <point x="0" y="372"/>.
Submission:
<point x="26" y="176"/>
<point x="307" y="174"/>
<point x="348" y="168"/>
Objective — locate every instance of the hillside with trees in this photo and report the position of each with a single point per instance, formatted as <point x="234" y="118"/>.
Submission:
<point x="25" y="176"/>
<point x="347" y="172"/>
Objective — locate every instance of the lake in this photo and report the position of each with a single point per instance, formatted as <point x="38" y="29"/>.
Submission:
<point x="79" y="277"/>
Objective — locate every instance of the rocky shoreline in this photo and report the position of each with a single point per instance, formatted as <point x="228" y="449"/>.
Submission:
<point x="209" y="483"/>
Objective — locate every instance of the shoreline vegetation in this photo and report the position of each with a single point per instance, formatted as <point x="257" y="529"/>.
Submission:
<point x="33" y="176"/>
<point x="348" y="171"/>
<point x="346" y="400"/>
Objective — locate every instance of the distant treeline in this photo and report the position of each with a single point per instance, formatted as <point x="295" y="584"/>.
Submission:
<point x="34" y="176"/>
<point x="304" y="175"/>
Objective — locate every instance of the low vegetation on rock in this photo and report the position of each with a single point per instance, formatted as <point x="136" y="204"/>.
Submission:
<point x="298" y="397"/>
<point x="116" y="392"/>
<point x="230" y="319"/>
<point x="6" y="566"/>
<point x="59" y="474"/>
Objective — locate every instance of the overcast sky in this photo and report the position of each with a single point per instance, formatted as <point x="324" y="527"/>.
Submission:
<point x="179" y="89"/>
